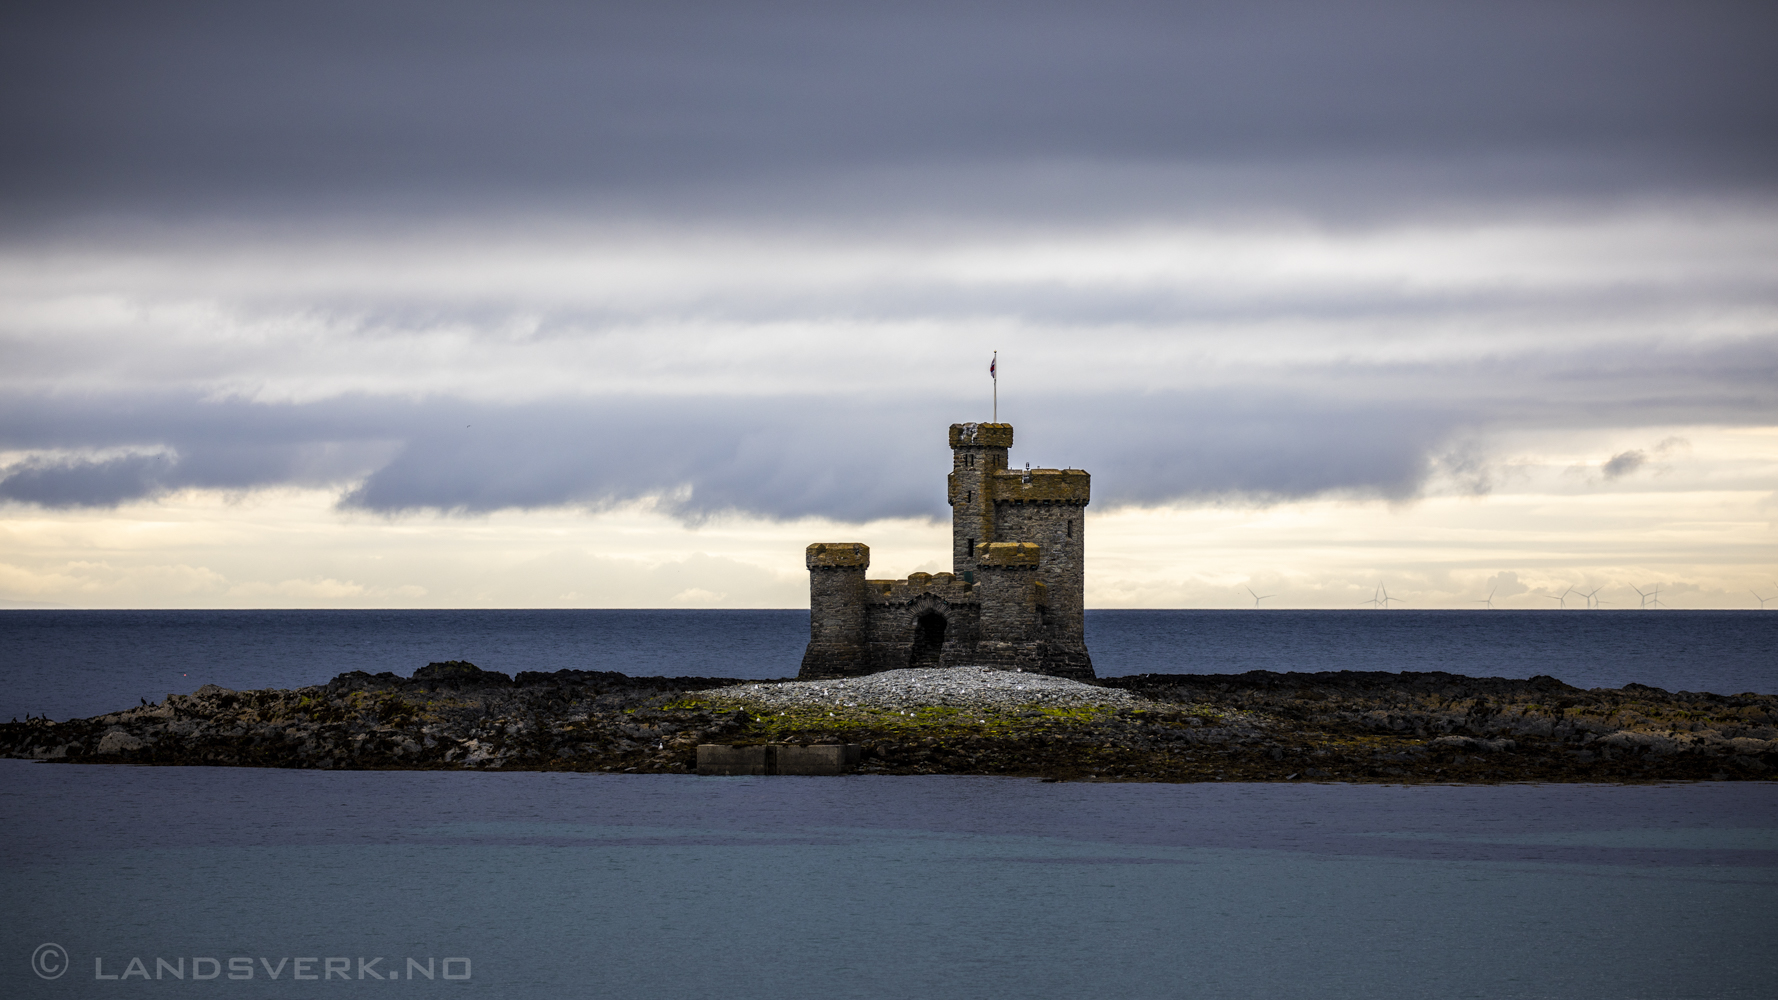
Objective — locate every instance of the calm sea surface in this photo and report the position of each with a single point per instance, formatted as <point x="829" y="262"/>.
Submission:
<point x="67" y="664"/>
<point x="589" y="886"/>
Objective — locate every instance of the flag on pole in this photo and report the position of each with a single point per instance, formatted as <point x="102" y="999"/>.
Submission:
<point x="994" y="373"/>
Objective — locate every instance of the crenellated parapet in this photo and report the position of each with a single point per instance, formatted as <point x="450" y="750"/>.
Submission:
<point x="1050" y="486"/>
<point x="981" y="436"/>
<point x="948" y="586"/>
<point x="838" y="555"/>
<point x="1008" y="555"/>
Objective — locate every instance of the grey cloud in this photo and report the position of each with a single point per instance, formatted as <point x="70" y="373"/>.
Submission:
<point x="785" y="457"/>
<point x="87" y="483"/>
<point x="782" y="457"/>
<point x="236" y="108"/>
<point x="232" y="445"/>
<point x="1254" y="444"/>
<point x="1376" y="431"/>
<point x="1469" y="468"/>
<point x="1505" y="584"/>
<point x="1624" y="463"/>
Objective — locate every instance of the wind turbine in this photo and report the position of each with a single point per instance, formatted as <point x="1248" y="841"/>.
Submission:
<point x="1642" y="595"/>
<point x="1489" y="600"/>
<point x="1563" y="597"/>
<point x="1592" y="600"/>
<point x="1762" y="600"/>
<point x="1655" y="598"/>
<point x="1386" y="597"/>
<point x="1258" y="597"/>
<point x="1375" y="601"/>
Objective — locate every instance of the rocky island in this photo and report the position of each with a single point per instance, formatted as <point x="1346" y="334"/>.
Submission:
<point x="1258" y="726"/>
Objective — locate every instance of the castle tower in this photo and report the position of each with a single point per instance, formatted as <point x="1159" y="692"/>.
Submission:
<point x="838" y="614"/>
<point x="977" y="452"/>
<point x="1047" y="507"/>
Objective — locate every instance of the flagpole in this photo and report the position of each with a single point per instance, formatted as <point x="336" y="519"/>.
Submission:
<point x="994" y="371"/>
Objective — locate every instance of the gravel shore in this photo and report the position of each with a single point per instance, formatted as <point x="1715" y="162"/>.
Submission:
<point x="982" y="688"/>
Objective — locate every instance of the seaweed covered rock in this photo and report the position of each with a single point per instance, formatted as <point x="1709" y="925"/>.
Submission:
<point x="459" y="672"/>
<point x="447" y="715"/>
<point x="1347" y="726"/>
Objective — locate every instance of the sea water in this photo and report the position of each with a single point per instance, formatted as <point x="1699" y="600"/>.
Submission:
<point x="67" y="664"/>
<point x="572" y="885"/>
<point x="581" y="885"/>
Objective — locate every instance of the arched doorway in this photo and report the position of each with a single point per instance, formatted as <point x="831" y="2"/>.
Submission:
<point x="929" y="640"/>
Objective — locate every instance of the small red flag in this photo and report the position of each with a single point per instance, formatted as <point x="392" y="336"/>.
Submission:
<point x="994" y="367"/>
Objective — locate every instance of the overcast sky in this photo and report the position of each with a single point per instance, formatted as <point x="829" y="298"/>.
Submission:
<point x="617" y="304"/>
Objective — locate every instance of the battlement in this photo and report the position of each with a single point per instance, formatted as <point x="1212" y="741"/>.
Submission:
<point x="946" y="586"/>
<point x="1008" y="555"/>
<point x="837" y="555"/>
<point x="981" y="435"/>
<point x="1070" y="486"/>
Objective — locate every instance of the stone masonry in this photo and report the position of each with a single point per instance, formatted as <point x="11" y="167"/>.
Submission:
<point x="1013" y="598"/>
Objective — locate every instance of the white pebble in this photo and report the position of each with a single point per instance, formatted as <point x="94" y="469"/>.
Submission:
<point x="955" y="687"/>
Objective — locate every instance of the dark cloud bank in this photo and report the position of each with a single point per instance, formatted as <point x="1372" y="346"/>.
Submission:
<point x="783" y="457"/>
<point x="228" y="108"/>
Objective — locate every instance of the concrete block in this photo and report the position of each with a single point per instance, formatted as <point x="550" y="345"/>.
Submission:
<point x="830" y="759"/>
<point x="715" y="758"/>
<point x="778" y="758"/>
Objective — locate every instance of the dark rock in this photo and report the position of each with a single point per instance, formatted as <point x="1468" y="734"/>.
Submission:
<point x="459" y="672"/>
<point x="1355" y="726"/>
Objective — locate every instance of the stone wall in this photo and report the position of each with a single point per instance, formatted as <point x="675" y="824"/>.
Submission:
<point x="895" y="629"/>
<point x="1007" y="575"/>
<point x="1059" y="530"/>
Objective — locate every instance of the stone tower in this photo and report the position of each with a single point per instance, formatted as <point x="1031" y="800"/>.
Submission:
<point x="1013" y="597"/>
